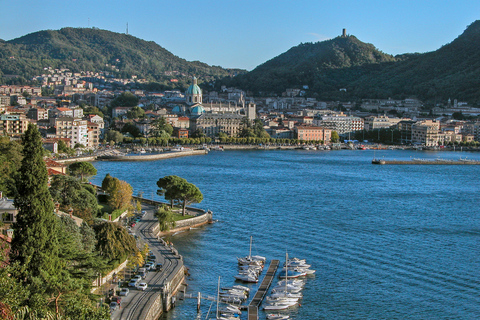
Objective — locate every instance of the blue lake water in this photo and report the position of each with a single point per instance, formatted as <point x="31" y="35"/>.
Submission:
<point x="388" y="242"/>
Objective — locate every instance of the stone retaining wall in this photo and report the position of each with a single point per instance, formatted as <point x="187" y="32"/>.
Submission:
<point x="149" y="157"/>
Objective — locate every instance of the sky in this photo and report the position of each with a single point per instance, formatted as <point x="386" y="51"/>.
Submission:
<point x="246" y="33"/>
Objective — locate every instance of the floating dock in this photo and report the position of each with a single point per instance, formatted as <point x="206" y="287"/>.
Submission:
<point x="427" y="162"/>
<point x="262" y="290"/>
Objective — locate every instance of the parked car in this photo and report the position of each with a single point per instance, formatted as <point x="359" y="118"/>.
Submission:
<point x="132" y="224"/>
<point x="113" y="306"/>
<point x="142" y="286"/>
<point x="149" y="265"/>
<point x="137" y="278"/>
<point x="124" y="292"/>
<point x="117" y="300"/>
<point x="132" y="283"/>
<point x="159" y="266"/>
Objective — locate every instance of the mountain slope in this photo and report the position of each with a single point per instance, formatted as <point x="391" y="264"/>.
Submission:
<point x="453" y="71"/>
<point x="310" y="63"/>
<point x="82" y="49"/>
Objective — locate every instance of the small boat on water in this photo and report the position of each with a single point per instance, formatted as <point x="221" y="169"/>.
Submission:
<point x="272" y="316"/>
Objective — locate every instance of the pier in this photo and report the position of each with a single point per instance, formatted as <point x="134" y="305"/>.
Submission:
<point x="262" y="290"/>
<point x="427" y="162"/>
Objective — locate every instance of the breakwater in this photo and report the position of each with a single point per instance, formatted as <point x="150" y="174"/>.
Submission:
<point x="426" y="162"/>
<point x="150" y="157"/>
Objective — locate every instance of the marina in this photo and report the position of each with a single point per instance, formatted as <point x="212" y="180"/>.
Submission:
<point x="262" y="290"/>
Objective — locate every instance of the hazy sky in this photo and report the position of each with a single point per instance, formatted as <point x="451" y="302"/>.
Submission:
<point x="246" y="33"/>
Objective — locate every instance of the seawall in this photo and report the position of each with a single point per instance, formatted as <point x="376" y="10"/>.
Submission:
<point x="149" y="157"/>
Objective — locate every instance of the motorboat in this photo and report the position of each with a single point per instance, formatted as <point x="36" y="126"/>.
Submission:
<point x="246" y="278"/>
<point x="273" y="316"/>
<point x="295" y="282"/>
<point x="279" y="305"/>
<point x="286" y="294"/>
<point x="280" y="299"/>
<point x="284" y="274"/>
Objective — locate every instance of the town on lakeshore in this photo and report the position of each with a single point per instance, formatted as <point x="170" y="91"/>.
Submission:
<point x="108" y="243"/>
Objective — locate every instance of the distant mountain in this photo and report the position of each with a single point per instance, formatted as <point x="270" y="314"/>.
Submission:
<point x="312" y="64"/>
<point x="91" y="49"/>
<point x="453" y="71"/>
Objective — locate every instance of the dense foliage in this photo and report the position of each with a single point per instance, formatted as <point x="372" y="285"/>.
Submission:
<point x="52" y="263"/>
<point x="10" y="161"/>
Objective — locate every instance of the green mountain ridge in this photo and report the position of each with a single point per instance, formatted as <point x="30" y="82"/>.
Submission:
<point x="85" y="49"/>
<point x="453" y="71"/>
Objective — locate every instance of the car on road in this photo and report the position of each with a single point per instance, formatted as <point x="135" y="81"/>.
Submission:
<point x="132" y="283"/>
<point x="124" y="292"/>
<point x="137" y="278"/>
<point x="113" y="306"/>
<point x="142" y="286"/>
<point x="159" y="266"/>
<point x="132" y="224"/>
<point x="149" y="265"/>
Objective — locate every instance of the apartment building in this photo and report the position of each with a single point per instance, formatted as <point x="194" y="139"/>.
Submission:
<point x="13" y="125"/>
<point x="71" y="128"/>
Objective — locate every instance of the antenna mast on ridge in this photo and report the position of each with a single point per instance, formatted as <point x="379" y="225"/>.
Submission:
<point x="127" y="27"/>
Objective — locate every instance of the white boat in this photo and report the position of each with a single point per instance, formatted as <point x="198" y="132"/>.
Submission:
<point x="255" y="260"/>
<point x="284" y="274"/>
<point x="287" y="289"/>
<point x="229" y="309"/>
<point x="300" y="269"/>
<point x="270" y="299"/>
<point x="246" y="278"/>
<point x="273" y="316"/>
<point x="237" y="287"/>
<point x="295" y="282"/>
<point x="279" y="306"/>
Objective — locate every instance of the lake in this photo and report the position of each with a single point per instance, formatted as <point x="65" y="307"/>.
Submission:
<point x="388" y="242"/>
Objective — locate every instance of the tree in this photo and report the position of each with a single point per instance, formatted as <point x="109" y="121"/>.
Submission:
<point x="10" y="162"/>
<point x="113" y="241"/>
<point x="114" y="135"/>
<point x="82" y="170"/>
<point x="161" y="128"/>
<point x="165" y="218"/>
<point x="135" y="113"/>
<point x="35" y="247"/>
<point x="334" y="137"/>
<point x="178" y="189"/>
<point x="119" y="192"/>
<point x="125" y="99"/>
<point x="132" y="129"/>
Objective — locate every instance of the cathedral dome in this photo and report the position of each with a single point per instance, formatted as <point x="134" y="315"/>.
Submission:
<point x="197" y="110"/>
<point x="194" y="88"/>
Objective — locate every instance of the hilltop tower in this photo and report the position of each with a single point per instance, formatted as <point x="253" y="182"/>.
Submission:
<point x="344" y="33"/>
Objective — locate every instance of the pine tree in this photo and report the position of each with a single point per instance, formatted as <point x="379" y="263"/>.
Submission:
<point x="35" y="246"/>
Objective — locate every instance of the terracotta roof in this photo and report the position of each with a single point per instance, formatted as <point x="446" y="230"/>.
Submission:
<point x="52" y="172"/>
<point x="53" y="163"/>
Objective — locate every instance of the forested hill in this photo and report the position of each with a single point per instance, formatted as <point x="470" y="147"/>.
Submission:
<point x="91" y="49"/>
<point x="315" y="64"/>
<point x="453" y="71"/>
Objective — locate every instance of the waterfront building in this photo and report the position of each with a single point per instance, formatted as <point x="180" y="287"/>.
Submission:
<point x="381" y="122"/>
<point x="427" y="133"/>
<point x="212" y="124"/>
<point x="340" y="123"/>
<point x="313" y="133"/>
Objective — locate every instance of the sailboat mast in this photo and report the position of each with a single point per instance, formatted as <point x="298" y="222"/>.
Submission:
<point x="250" y="252"/>
<point x="218" y="294"/>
